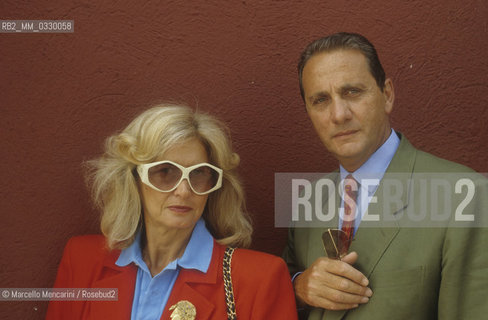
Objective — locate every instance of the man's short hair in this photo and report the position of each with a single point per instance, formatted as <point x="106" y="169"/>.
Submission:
<point x="343" y="40"/>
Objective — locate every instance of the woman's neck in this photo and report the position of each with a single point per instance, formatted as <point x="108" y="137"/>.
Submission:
<point x="160" y="247"/>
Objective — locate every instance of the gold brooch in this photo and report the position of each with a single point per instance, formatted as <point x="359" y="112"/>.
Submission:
<point x="183" y="310"/>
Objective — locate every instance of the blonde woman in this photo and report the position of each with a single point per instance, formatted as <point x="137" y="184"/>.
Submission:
<point x="172" y="210"/>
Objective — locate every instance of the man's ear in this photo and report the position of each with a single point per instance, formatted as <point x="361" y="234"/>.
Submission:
<point x="389" y="94"/>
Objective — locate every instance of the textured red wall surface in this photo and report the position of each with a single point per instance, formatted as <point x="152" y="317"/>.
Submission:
<point x="62" y="94"/>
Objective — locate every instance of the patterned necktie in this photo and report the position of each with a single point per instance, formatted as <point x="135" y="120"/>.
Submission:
<point x="350" y="198"/>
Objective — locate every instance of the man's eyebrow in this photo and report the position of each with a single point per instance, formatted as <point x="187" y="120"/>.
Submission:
<point x="358" y="85"/>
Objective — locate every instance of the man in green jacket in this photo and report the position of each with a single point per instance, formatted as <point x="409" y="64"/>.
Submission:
<point x="400" y="265"/>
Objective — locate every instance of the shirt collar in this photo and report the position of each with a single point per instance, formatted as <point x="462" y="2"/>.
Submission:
<point x="376" y="165"/>
<point x="197" y="255"/>
<point x="133" y="253"/>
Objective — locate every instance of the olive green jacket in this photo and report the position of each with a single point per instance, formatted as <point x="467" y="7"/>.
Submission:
<point x="415" y="272"/>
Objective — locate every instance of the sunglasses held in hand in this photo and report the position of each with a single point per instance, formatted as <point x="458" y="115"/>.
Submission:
<point x="336" y="243"/>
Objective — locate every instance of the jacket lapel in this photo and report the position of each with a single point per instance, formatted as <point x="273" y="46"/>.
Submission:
<point x="113" y="276"/>
<point x="372" y="237"/>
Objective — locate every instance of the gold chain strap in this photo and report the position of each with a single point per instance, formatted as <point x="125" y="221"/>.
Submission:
<point x="229" y="292"/>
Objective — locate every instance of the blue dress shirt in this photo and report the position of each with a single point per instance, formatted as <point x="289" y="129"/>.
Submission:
<point x="374" y="168"/>
<point x="151" y="293"/>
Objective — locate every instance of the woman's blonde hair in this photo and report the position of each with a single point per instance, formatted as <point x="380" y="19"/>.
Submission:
<point x="114" y="179"/>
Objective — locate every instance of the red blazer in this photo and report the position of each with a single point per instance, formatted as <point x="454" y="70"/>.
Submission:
<point x="261" y="283"/>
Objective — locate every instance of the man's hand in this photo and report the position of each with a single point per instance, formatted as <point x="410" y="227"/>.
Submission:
<point x="332" y="284"/>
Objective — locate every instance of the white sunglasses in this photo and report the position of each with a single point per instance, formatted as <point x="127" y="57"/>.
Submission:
<point x="166" y="176"/>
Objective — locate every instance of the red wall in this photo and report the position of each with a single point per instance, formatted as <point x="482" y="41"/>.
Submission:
<point x="62" y="94"/>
